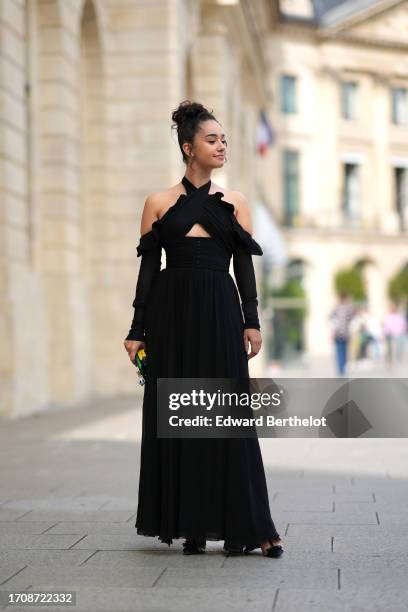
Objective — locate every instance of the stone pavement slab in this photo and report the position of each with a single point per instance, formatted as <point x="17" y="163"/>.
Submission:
<point x="358" y="600"/>
<point x="89" y="527"/>
<point x="49" y="557"/>
<point x="355" y="516"/>
<point x="74" y="577"/>
<point x="154" y="558"/>
<point x="10" y="568"/>
<point x="24" y="541"/>
<point x="272" y="573"/>
<point x="54" y="516"/>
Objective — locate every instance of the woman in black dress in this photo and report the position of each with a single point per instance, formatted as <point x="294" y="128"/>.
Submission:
<point x="188" y="318"/>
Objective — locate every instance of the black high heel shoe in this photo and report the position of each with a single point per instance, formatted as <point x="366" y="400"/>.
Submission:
<point x="233" y="549"/>
<point x="194" y="547"/>
<point x="275" y="550"/>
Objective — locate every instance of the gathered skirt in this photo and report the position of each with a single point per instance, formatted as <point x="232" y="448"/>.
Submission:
<point x="202" y="488"/>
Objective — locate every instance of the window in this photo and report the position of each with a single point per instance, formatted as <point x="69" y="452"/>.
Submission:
<point x="348" y="99"/>
<point x="401" y="196"/>
<point x="351" y="192"/>
<point x="399" y="105"/>
<point x="291" y="186"/>
<point x="288" y="94"/>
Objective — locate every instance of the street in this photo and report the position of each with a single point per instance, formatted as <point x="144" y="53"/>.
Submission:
<point x="69" y="496"/>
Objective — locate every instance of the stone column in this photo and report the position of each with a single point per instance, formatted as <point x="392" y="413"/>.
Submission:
<point x="21" y="333"/>
<point x="145" y="83"/>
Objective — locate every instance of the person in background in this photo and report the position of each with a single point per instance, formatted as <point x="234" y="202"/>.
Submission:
<point x="340" y="318"/>
<point x="369" y="336"/>
<point x="374" y="336"/>
<point x="355" y="332"/>
<point x="395" y="328"/>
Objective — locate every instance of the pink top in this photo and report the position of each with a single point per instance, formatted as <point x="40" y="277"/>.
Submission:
<point x="395" y="324"/>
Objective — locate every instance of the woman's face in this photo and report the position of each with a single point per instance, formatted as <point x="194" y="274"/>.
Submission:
<point x="210" y="144"/>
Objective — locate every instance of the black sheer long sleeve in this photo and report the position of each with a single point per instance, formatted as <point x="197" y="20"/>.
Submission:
<point x="246" y="282"/>
<point x="150" y="266"/>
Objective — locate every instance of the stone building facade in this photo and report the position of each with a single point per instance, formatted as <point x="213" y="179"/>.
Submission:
<point x="87" y="88"/>
<point x="338" y="170"/>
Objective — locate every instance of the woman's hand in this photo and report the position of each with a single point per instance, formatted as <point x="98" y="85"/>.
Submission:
<point x="132" y="346"/>
<point x="253" y="337"/>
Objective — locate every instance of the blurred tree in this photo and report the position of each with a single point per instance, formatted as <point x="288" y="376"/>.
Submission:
<point x="351" y="281"/>
<point x="398" y="285"/>
<point x="288" y="321"/>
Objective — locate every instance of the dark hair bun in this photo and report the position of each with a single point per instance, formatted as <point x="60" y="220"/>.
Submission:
<point x="187" y="118"/>
<point x="188" y="111"/>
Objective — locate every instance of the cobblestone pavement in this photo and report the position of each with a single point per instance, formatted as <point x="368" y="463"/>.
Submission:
<point x="69" y="481"/>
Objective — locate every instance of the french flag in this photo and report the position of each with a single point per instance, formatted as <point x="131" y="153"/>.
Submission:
<point x="264" y="135"/>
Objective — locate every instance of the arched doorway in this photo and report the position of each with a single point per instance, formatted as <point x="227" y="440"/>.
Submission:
<point x="286" y="304"/>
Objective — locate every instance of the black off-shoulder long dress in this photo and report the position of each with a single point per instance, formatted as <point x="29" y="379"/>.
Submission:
<point x="190" y="317"/>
